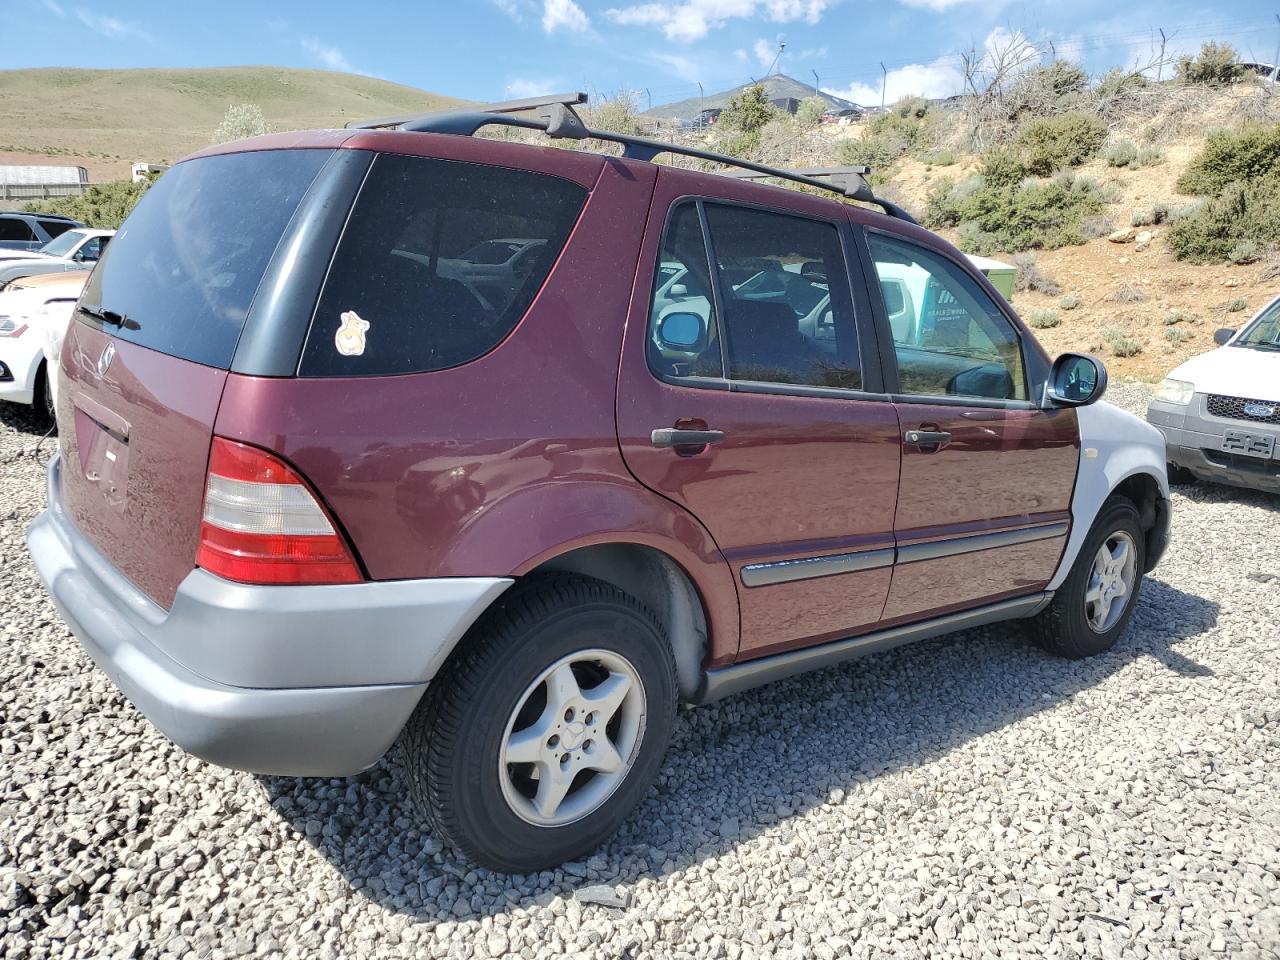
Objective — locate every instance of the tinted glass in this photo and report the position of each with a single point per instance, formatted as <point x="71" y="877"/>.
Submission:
<point x="12" y="228"/>
<point x="184" y="267"/>
<point x="682" y="289"/>
<point x="949" y="337"/>
<point x="415" y="284"/>
<point x="787" y="308"/>
<point x="56" y="228"/>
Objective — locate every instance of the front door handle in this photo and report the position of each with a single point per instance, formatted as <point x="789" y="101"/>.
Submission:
<point x="926" y="438"/>
<point x="675" y="437"/>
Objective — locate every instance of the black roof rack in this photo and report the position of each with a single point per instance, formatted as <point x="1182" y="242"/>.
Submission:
<point x="558" y="118"/>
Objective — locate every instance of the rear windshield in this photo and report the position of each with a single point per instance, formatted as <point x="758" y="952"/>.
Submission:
<point x="438" y="262"/>
<point x="183" y="269"/>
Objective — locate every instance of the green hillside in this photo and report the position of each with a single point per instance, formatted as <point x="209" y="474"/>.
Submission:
<point x="106" y="119"/>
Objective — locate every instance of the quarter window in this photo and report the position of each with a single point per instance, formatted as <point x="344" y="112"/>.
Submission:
<point x="949" y="336"/>
<point x="438" y="262"/>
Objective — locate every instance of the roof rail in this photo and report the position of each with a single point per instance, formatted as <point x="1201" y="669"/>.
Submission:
<point x="558" y="118"/>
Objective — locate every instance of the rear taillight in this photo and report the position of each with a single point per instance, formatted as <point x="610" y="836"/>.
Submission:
<point x="262" y="524"/>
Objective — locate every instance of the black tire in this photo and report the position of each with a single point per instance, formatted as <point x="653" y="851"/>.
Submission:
<point x="1062" y="628"/>
<point x="1180" y="475"/>
<point x="452" y="743"/>
<point x="43" y="400"/>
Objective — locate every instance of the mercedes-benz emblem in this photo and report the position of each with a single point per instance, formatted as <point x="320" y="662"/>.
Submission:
<point x="104" y="361"/>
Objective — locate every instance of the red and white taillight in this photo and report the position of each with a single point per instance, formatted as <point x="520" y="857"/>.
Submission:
<point x="262" y="524"/>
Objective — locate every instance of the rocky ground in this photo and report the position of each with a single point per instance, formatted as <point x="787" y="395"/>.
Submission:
<point x="964" y="797"/>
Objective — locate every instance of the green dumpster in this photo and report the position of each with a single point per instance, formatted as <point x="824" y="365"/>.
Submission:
<point x="1000" y="274"/>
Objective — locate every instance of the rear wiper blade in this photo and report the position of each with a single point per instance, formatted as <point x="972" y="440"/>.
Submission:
<point x="98" y="312"/>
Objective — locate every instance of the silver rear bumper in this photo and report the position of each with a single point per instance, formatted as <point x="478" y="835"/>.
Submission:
<point x="296" y="681"/>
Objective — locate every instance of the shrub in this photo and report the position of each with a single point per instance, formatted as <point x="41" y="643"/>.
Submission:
<point x="1149" y="218"/>
<point x="747" y="111"/>
<point x="1000" y="212"/>
<point x="1031" y="276"/>
<point x="1214" y="231"/>
<point x="1044" y="319"/>
<point x="1069" y="302"/>
<point x="1238" y="304"/>
<point x="1068" y="140"/>
<point x="1045" y="91"/>
<point x="1128" y="293"/>
<point x="241" y="120"/>
<point x="1176" y="316"/>
<point x="103" y="206"/>
<point x="810" y="111"/>
<point x="1177" y="335"/>
<point x="1244" y="251"/>
<point x="1122" y="153"/>
<point x="1121" y="344"/>
<point x="1216" y="65"/>
<point x="1091" y="228"/>
<point x="616" y="114"/>
<point x="908" y="127"/>
<point x="937" y="158"/>
<point x="1229" y="157"/>
<point x="1150" y="156"/>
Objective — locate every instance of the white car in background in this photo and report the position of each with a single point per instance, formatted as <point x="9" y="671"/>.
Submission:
<point x="69" y="252"/>
<point x="1220" y="412"/>
<point x="26" y="307"/>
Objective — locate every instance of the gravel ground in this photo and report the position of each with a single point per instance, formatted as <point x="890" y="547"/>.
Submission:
<point x="962" y="797"/>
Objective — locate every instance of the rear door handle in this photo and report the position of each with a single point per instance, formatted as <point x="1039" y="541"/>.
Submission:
<point x="675" y="437"/>
<point x="926" y="438"/>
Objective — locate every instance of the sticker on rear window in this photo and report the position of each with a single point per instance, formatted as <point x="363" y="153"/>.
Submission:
<point x="350" y="336"/>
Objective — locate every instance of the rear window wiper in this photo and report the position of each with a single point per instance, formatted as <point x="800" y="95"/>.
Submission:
<point x="98" y="312"/>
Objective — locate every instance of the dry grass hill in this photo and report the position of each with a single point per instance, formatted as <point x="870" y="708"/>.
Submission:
<point x="106" y="119"/>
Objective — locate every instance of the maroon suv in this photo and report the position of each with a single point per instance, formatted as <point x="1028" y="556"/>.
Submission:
<point x="505" y="450"/>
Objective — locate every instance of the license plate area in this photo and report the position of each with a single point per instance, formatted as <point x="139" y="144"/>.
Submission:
<point x="102" y="440"/>
<point x="1260" y="445"/>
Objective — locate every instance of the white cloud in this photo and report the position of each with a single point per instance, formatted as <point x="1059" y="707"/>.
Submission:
<point x="689" y="20"/>
<point x="511" y="8"/>
<point x="941" y="78"/>
<point x="686" y="68"/>
<point x="55" y="8"/>
<point x="518" y="88"/>
<point x="764" y="51"/>
<point x="110" y="26"/>
<point x="564" y="14"/>
<point x="938" y="4"/>
<point x="332" y="57"/>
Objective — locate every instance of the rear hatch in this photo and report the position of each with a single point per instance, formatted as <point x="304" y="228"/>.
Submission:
<point x="147" y="353"/>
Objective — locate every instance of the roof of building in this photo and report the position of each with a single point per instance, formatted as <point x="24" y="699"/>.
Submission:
<point x="21" y="174"/>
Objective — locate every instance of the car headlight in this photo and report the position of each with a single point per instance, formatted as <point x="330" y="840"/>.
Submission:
<point x="1176" y="391"/>
<point x="9" y="327"/>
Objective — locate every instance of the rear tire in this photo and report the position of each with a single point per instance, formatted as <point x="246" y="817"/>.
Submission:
<point x="537" y="740"/>
<point x="1091" y="609"/>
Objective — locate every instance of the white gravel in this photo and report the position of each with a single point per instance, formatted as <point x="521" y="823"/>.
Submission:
<point x="964" y="797"/>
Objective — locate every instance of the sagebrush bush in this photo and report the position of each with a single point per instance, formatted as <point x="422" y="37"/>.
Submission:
<point x="1150" y="156"/>
<point x="1128" y="293"/>
<point x="1176" y="316"/>
<point x="1212" y="231"/>
<point x="1150" y="217"/>
<point x="1069" y="302"/>
<point x="1238" y="304"/>
<point x="1052" y="143"/>
<point x="1177" y="335"/>
<point x="908" y="127"/>
<point x="1032" y="276"/>
<point x="1043" y="319"/>
<point x="1244" y="251"/>
<point x="1122" y="153"/>
<point x="937" y="158"/>
<point x="1252" y="153"/>
<point x="1121" y="344"/>
<point x="1216" y="65"/>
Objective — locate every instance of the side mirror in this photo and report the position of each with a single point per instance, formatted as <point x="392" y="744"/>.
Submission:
<point x="682" y="331"/>
<point x="678" y="290"/>
<point x="1222" y="335"/>
<point x="1076" y="379"/>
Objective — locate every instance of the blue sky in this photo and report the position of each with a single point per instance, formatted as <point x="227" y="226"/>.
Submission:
<point x="488" y="49"/>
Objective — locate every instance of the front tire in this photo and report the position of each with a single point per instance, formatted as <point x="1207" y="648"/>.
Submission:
<point x="1091" y="609"/>
<point x="43" y="400"/>
<point x="534" y="743"/>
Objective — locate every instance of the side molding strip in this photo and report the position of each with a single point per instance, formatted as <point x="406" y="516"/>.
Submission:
<point x="763" y="574"/>
<point x="726" y="681"/>
<point x="934" y="550"/>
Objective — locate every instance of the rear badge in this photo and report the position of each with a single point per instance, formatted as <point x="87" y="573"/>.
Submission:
<point x="109" y="354"/>
<point x="350" y="336"/>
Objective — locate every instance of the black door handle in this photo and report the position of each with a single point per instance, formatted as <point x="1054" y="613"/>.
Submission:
<point x="924" y="438"/>
<point x="675" y="437"/>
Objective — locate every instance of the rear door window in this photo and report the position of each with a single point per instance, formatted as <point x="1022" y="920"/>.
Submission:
<point x="11" y="228"/>
<point x="55" y="228"/>
<point x="439" y="261"/>
<point x="182" y="271"/>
